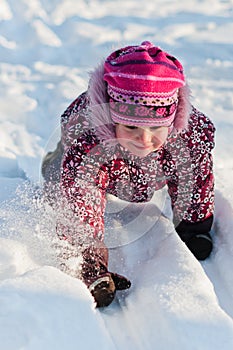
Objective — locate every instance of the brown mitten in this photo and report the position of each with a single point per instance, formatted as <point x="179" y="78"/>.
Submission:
<point x="101" y="283"/>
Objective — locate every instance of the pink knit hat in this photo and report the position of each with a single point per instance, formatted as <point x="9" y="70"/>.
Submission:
<point x="143" y="83"/>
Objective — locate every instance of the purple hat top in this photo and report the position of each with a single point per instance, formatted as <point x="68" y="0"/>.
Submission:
<point x="143" y="83"/>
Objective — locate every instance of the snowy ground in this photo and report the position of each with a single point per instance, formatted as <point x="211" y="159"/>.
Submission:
<point x="46" y="50"/>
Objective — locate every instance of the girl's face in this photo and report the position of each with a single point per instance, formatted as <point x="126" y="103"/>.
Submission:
<point x="141" y="140"/>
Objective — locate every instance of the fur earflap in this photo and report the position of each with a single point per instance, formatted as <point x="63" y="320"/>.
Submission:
<point x="97" y="94"/>
<point x="183" y="109"/>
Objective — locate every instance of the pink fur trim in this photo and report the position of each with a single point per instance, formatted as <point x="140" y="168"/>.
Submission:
<point x="183" y="109"/>
<point x="97" y="93"/>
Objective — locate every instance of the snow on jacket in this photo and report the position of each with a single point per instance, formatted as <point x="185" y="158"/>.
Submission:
<point x="95" y="164"/>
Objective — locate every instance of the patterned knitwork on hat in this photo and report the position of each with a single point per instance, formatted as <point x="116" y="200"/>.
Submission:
<point x="136" y="114"/>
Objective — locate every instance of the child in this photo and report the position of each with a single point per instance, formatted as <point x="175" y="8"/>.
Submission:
<point x="133" y="132"/>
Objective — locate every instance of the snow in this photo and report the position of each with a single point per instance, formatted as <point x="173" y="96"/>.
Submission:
<point x="46" y="51"/>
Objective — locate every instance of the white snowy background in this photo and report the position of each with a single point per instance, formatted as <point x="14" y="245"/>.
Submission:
<point x="47" y="48"/>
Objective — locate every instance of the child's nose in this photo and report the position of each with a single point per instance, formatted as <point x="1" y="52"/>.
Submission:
<point x="145" y="136"/>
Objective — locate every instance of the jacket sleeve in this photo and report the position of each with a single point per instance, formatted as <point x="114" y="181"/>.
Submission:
<point x="80" y="223"/>
<point x="83" y="183"/>
<point x="192" y="186"/>
<point x="82" y="178"/>
<point x="80" y="218"/>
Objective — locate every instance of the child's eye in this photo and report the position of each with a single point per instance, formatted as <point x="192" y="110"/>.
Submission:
<point x="131" y="127"/>
<point x="158" y="128"/>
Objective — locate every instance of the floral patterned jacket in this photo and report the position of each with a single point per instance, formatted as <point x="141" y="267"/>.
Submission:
<point x="91" y="168"/>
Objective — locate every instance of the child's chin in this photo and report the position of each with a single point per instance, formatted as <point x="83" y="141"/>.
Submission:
<point x="141" y="154"/>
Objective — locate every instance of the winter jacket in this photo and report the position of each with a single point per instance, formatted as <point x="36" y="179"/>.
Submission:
<point x="94" y="166"/>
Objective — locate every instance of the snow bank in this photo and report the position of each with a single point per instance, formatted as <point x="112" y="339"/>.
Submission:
<point x="46" y="50"/>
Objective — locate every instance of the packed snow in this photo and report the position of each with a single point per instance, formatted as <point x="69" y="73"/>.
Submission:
<point x="47" y="49"/>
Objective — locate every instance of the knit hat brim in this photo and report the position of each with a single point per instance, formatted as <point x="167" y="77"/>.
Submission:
<point x="142" y="115"/>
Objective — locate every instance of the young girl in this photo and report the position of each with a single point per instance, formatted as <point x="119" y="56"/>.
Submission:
<point x="133" y="132"/>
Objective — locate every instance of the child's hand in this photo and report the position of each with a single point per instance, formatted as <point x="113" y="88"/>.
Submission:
<point x="200" y="245"/>
<point x="104" y="288"/>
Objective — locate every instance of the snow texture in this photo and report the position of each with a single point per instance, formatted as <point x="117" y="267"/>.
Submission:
<point x="46" y="51"/>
